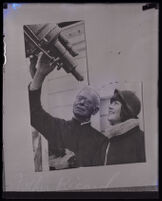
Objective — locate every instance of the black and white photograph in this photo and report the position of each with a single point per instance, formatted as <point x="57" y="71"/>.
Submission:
<point x="80" y="96"/>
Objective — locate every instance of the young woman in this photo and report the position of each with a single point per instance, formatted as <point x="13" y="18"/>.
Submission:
<point x="126" y="140"/>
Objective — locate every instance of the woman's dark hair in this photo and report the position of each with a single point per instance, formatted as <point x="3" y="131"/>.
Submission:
<point x="125" y="114"/>
<point x="131" y="105"/>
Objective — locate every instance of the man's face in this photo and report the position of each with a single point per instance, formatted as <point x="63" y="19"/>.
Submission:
<point x="84" y="105"/>
<point x="114" y="112"/>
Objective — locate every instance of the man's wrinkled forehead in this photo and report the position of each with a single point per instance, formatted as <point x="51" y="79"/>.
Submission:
<point x="85" y="94"/>
<point x="89" y="92"/>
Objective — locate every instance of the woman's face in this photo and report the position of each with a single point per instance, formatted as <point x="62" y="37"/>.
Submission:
<point x="114" y="112"/>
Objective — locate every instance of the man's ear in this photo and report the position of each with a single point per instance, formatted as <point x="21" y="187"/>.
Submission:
<point x="95" y="110"/>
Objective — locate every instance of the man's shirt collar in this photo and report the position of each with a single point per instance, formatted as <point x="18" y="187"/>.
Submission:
<point x="87" y="122"/>
<point x="81" y="123"/>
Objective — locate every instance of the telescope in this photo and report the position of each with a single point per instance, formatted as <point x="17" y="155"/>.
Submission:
<point x="49" y="39"/>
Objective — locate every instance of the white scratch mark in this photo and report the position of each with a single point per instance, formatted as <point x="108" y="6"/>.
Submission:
<point x="112" y="179"/>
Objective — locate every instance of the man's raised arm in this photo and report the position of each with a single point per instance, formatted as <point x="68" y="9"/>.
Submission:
<point x="43" y="122"/>
<point x="43" y="69"/>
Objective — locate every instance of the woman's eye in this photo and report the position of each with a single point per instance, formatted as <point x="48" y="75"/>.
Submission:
<point x="116" y="102"/>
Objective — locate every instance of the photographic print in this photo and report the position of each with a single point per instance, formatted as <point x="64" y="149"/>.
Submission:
<point x="74" y="142"/>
